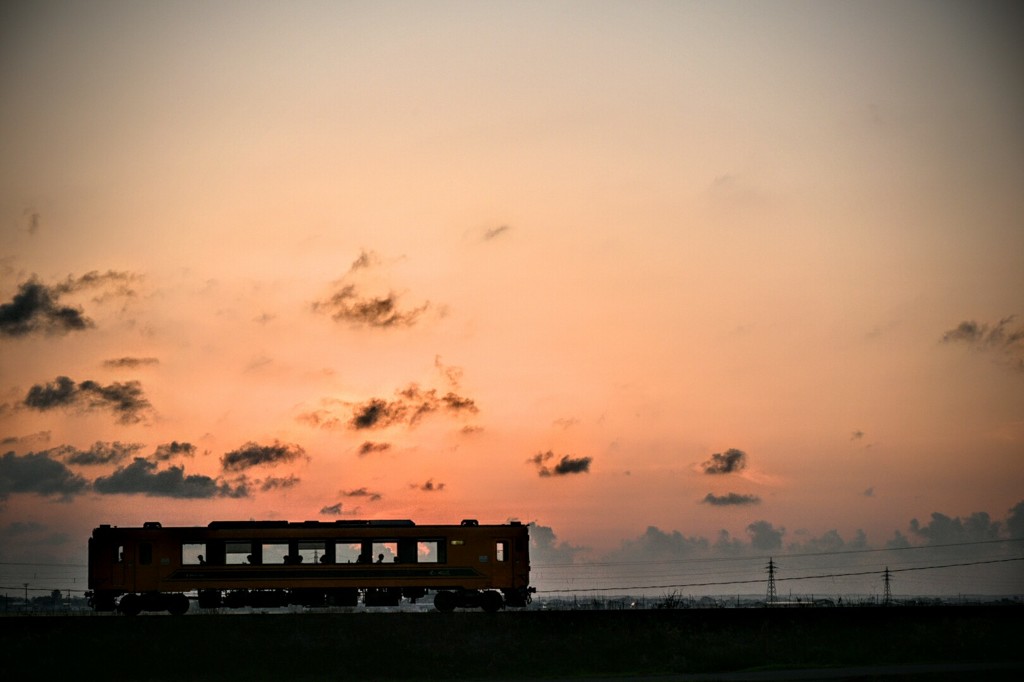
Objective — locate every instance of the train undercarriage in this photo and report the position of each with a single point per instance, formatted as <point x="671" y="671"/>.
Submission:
<point x="177" y="603"/>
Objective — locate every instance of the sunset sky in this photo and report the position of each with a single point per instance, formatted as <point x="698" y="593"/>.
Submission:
<point x="667" y="279"/>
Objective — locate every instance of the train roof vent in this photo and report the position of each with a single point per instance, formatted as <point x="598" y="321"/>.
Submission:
<point x="470" y="522"/>
<point x="152" y="524"/>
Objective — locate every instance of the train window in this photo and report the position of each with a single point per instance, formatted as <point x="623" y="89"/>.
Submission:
<point x="311" y="552"/>
<point x="145" y="553"/>
<point x="193" y="553"/>
<point x="237" y="552"/>
<point x="274" y="552"/>
<point x="501" y="550"/>
<point x="347" y="552"/>
<point x="119" y="554"/>
<point x="385" y="552"/>
<point x="430" y="551"/>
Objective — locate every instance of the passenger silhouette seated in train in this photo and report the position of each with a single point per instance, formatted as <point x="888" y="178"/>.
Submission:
<point x="363" y="559"/>
<point x="380" y="558"/>
<point x="202" y="561"/>
<point x="324" y="559"/>
<point x="251" y="559"/>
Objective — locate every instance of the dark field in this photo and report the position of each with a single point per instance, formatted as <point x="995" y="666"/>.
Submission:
<point x="507" y="645"/>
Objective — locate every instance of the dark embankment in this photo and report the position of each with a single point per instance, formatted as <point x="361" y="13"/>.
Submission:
<point x="508" y="645"/>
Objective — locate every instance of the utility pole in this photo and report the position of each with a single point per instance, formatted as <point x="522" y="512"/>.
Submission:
<point x="887" y="598"/>
<point x="772" y="596"/>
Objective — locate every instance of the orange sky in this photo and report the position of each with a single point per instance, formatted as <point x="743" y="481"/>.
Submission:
<point x="636" y="236"/>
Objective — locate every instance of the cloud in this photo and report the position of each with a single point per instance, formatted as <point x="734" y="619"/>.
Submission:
<point x="141" y="477"/>
<point x="869" y="492"/>
<point x="272" y="483"/>
<point x="452" y="374"/>
<point x="429" y="486"/>
<point x="765" y="536"/>
<point x="657" y="545"/>
<point x="856" y="435"/>
<point x="40" y="474"/>
<point x="999" y="338"/>
<point x="546" y="550"/>
<point x="566" y="465"/>
<point x="362" y="492"/>
<point x="831" y="541"/>
<point x="731" y="499"/>
<point x="347" y="304"/>
<point x="410" y="406"/>
<point x="129" y="363"/>
<point x="943" y="529"/>
<point x="366" y="259"/>
<point x="166" y="451"/>
<point x="126" y="400"/>
<point x="730" y="461"/>
<point x="36" y="309"/>
<point x="1015" y="521"/>
<point x="331" y="510"/>
<point x="253" y="454"/>
<point x="369" y="447"/>
<point x="99" y="453"/>
<point x="495" y="232"/>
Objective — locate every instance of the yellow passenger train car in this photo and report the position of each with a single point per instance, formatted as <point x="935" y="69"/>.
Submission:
<point x="232" y="564"/>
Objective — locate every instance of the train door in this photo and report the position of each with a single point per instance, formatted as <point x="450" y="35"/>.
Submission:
<point x="145" y="572"/>
<point x="501" y="568"/>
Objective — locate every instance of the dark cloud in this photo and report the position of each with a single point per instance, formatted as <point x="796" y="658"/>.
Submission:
<point x="141" y="477"/>
<point x="166" y="451"/>
<point x="869" y="492"/>
<point x="731" y="499"/>
<point x="943" y="529"/>
<point x="411" y="405"/>
<point x="100" y="453"/>
<point x="730" y="461"/>
<point x="272" y="483"/>
<point x="253" y="454"/>
<point x="429" y="486"/>
<point x="362" y="492"/>
<point x="1000" y="338"/>
<point x="347" y="304"/>
<point x="831" y="541"/>
<point x="331" y="510"/>
<point x="36" y="308"/>
<point x="764" y="536"/>
<point x="40" y="474"/>
<point x="566" y="465"/>
<point x="129" y="362"/>
<point x="126" y="400"/>
<point x="368" y="448"/>
<point x="38" y="437"/>
<point x="856" y="435"/>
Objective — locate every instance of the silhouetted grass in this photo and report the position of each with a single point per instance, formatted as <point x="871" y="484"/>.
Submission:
<point x="507" y="645"/>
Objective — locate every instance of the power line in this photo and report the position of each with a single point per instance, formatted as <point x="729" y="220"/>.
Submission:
<point x="795" y="554"/>
<point x="802" y="577"/>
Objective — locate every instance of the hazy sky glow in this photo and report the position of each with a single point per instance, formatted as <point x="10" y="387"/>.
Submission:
<point x="671" y="280"/>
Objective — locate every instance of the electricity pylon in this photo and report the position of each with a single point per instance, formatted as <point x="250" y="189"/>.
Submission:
<point x="772" y="596"/>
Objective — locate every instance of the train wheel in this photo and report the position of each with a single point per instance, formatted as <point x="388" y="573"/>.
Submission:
<point x="130" y="605"/>
<point x="492" y="602"/>
<point x="177" y="604"/>
<point x="444" y="602"/>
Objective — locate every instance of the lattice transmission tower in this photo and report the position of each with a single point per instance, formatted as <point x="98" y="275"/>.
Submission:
<point x="887" y="596"/>
<point x="771" y="597"/>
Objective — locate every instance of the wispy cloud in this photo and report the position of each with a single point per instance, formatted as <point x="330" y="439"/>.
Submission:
<point x="369" y="448"/>
<point x="130" y="363"/>
<point x="410" y="405"/>
<point x="429" y="486"/>
<point x="1000" y="338"/>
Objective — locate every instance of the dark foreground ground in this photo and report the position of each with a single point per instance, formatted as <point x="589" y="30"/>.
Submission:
<point x="514" y="645"/>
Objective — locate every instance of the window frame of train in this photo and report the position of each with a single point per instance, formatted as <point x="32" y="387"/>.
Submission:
<point x="501" y="550"/>
<point x="237" y="552"/>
